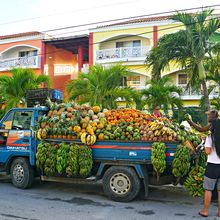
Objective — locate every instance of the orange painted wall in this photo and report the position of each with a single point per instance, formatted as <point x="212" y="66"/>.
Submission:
<point x="59" y="56"/>
<point x="36" y="43"/>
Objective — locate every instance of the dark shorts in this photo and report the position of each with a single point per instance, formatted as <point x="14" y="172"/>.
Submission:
<point x="212" y="176"/>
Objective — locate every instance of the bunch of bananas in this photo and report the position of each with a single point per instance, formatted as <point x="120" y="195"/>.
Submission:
<point x="72" y="168"/>
<point x="50" y="163"/>
<point x="61" y="158"/>
<point x="41" y="133"/>
<point x="194" y="182"/>
<point x="85" y="161"/>
<point x="202" y="160"/>
<point x="181" y="161"/>
<point x="88" y="138"/>
<point x="41" y="155"/>
<point x="155" y="125"/>
<point x="158" y="157"/>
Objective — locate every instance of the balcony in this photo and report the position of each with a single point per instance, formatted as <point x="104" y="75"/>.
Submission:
<point x="189" y="94"/>
<point x="122" y="54"/>
<point x="30" y="62"/>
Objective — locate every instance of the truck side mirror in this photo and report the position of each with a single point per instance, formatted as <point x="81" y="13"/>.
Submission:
<point x="2" y="126"/>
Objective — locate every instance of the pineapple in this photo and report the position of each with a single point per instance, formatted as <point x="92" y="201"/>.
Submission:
<point x="43" y="122"/>
<point x="50" y="104"/>
<point x="55" y="132"/>
<point x="64" y="133"/>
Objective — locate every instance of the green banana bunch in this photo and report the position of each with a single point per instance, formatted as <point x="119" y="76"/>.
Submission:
<point x="61" y="157"/>
<point x="181" y="161"/>
<point x="50" y="163"/>
<point x="41" y="155"/>
<point x="158" y="157"/>
<point x="85" y="161"/>
<point x="72" y="168"/>
<point x="202" y="158"/>
<point x="194" y="182"/>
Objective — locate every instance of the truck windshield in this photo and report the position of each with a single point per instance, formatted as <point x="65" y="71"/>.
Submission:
<point x="22" y="120"/>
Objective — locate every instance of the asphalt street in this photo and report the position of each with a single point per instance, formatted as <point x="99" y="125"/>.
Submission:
<point x="59" y="201"/>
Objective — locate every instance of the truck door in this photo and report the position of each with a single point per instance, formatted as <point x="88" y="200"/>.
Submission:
<point x="6" y="125"/>
<point x="19" y="137"/>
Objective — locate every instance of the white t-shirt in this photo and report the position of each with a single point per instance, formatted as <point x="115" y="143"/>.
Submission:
<point x="212" y="157"/>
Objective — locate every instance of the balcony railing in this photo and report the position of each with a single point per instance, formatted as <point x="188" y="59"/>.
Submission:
<point x="122" y="52"/>
<point x="31" y="62"/>
<point x="189" y="93"/>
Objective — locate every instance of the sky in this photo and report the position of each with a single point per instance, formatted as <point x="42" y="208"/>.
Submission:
<point x="19" y="16"/>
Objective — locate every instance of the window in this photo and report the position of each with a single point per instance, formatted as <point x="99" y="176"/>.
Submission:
<point x="119" y="44"/>
<point x="22" y="120"/>
<point x="134" y="80"/>
<point x="27" y="53"/>
<point x="8" y="121"/>
<point x="182" y="79"/>
<point x="135" y="43"/>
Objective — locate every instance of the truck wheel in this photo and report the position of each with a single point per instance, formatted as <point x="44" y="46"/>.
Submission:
<point x="121" y="184"/>
<point x="22" y="174"/>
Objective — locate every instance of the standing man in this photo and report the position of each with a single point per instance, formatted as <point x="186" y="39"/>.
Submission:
<point x="211" y="115"/>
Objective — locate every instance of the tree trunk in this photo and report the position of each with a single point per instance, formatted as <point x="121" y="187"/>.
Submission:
<point x="206" y="95"/>
<point x="202" y="77"/>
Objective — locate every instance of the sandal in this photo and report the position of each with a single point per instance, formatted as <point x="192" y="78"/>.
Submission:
<point x="203" y="215"/>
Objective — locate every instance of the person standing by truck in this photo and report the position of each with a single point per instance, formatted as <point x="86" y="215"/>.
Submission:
<point x="211" y="115"/>
<point x="212" y="173"/>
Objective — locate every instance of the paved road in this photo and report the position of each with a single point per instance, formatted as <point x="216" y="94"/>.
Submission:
<point x="55" y="201"/>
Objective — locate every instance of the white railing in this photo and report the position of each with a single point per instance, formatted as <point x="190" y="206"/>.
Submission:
<point x="122" y="52"/>
<point x="189" y="91"/>
<point x="196" y="94"/>
<point x="31" y="62"/>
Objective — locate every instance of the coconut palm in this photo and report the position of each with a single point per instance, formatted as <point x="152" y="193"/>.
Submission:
<point x="212" y="67"/>
<point x="13" y="88"/>
<point x="102" y="86"/>
<point x="187" y="48"/>
<point x="163" y="94"/>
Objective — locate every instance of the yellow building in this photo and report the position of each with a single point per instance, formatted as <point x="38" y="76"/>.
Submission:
<point x="129" y="42"/>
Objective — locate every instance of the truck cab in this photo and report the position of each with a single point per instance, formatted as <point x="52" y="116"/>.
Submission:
<point x="17" y="139"/>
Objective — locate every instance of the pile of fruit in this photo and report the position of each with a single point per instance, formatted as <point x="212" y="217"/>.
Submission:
<point x="64" y="159"/>
<point x="89" y="124"/>
<point x="70" y="121"/>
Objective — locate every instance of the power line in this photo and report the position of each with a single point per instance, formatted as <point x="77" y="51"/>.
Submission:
<point x="176" y="26"/>
<point x="132" y="17"/>
<point x="60" y="13"/>
<point x="182" y="25"/>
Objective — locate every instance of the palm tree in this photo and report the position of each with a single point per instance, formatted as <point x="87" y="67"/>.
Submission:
<point x="212" y="67"/>
<point x="13" y="88"/>
<point x="187" y="48"/>
<point x="102" y="86"/>
<point x="163" y="94"/>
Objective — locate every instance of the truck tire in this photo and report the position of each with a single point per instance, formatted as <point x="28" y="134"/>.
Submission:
<point x="121" y="184"/>
<point x="22" y="174"/>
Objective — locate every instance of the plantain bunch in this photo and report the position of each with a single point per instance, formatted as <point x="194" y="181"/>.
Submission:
<point x="41" y="155"/>
<point x="181" y="161"/>
<point x="72" y="168"/>
<point x="85" y="160"/>
<point x="62" y="157"/>
<point x="158" y="157"/>
<point x="194" y="182"/>
<point x="50" y="163"/>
